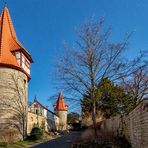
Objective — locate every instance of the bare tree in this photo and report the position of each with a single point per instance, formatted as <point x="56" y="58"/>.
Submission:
<point x="15" y="105"/>
<point x="137" y="84"/>
<point x="82" y="68"/>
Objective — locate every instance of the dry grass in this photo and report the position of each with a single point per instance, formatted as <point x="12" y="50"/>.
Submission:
<point x="102" y="135"/>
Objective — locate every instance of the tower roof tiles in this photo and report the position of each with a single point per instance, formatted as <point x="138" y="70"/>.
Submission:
<point x="60" y="104"/>
<point x="9" y="42"/>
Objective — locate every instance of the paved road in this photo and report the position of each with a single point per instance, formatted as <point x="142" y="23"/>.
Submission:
<point x="61" y="142"/>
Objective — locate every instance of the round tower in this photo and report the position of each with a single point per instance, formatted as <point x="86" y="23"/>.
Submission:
<point x="60" y="108"/>
<point x="14" y="76"/>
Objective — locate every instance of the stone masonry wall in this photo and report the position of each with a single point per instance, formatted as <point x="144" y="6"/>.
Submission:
<point x="134" y="125"/>
<point x="138" y="125"/>
<point x="34" y="119"/>
<point x="62" y="125"/>
<point x="13" y="99"/>
<point x="87" y="120"/>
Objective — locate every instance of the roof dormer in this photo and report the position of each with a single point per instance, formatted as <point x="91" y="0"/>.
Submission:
<point x="12" y="53"/>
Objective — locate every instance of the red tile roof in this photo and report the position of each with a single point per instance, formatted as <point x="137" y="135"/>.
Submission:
<point x="60" y="104"/>
<point x="9" y="42"/>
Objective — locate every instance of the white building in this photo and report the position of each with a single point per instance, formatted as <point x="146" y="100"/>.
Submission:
<point x="39" y="115"/>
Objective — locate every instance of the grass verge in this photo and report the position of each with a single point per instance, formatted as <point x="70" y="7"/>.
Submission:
<point x="25" y="143"/>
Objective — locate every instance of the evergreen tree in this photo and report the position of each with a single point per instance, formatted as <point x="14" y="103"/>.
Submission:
<point x="111" y="99"/>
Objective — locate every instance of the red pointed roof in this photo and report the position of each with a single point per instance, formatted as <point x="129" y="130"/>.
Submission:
<point x="9" y="42"/>
<point x="60" y="104"/>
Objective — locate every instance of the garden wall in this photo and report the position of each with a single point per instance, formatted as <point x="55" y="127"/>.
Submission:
<point x="134" y="125"/>
<point x="34" y="119"/>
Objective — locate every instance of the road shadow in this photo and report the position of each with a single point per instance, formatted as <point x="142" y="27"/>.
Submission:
<point x="64" y="141"/>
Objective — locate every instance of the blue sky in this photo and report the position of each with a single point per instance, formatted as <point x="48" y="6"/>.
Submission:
<point x="43" y="25"/>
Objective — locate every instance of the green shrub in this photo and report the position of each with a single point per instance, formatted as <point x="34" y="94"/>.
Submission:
<point x="36" y="133"/>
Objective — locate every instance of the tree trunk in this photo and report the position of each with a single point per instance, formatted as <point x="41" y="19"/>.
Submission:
<point x="94" y="119"/>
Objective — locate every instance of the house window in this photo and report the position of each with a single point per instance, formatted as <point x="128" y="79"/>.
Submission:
<point x="37" y="111"/>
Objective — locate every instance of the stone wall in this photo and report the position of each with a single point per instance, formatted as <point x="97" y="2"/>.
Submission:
<point x="138" y="125"/>
<point x="62" y="125"/>
<point x="13" y="99"/>
<point x="47" y="124"/>
<point x="87" y="121"/>
<point x="134" y="125"/>
<point x="34" y="119"/>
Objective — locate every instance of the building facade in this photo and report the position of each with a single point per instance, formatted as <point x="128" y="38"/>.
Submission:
<point x="15" y="64"/>
<point x="41" y="116"/>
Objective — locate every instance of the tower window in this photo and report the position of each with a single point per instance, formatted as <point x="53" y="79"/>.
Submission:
<point x="25" y="81"/>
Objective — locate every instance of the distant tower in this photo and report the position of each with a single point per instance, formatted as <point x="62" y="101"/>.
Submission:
<point x="14" y="74"/>
<point x="60" y="108"/>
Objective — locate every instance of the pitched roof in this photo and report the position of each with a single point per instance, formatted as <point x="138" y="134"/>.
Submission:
<point x="9" y="42"/>
<point x="44" y="107"/>
<point x="60" y="105"/>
